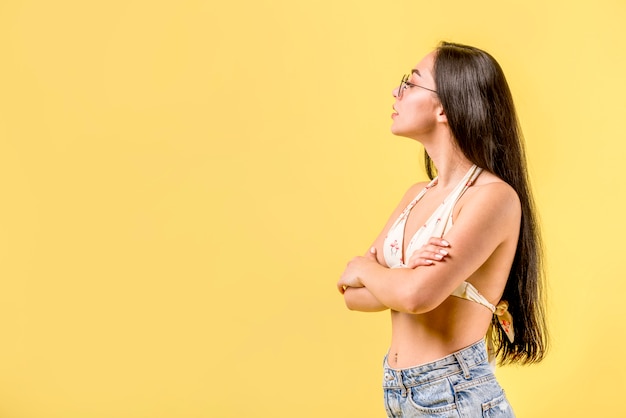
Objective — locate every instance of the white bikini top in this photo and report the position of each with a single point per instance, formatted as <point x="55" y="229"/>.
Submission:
<point x="437" y="225"/>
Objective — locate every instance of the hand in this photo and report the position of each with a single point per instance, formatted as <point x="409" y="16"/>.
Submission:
<point x="437" y="249"/>
<point x="351" y="275"/>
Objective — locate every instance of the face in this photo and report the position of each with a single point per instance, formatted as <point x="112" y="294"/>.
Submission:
<point x="417" y="106"/>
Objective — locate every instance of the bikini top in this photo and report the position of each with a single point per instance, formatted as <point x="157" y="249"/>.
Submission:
<point x="438" y="224"/>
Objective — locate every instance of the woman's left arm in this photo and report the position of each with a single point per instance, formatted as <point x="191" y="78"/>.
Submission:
<point x="359" y="298"/>
<point x="488" y="220"/>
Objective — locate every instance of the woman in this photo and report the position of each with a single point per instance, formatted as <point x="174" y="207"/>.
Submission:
<point x="459" y="262"/>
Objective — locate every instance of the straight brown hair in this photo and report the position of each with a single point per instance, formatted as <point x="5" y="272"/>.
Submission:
<point x="481" y="115"/>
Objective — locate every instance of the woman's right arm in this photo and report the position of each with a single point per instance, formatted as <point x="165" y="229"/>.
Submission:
<point x="360" y="298"/>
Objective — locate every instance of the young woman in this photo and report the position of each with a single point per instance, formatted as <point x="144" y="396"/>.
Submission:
<point x="459" y="262"/>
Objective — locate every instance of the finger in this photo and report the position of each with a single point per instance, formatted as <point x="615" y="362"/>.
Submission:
<point x="420" y="261"/>
<point x="341" y="288"/>
<point x="434" y="249"/>
<point x="435" y="255"/>
<point x="426" y="258"/>
<point x="371" y="253"/>
<point x="440" y="242"/>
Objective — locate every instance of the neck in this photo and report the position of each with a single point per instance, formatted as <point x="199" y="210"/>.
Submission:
<point x="450" y="162"/>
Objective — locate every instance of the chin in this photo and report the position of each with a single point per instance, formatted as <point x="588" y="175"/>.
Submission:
<point x="396" y="131"/>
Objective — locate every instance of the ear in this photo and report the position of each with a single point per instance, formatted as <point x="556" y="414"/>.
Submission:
<point x="441" y="115"/>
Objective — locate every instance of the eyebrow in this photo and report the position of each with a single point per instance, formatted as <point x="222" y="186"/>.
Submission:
<point x="416" y="71"/>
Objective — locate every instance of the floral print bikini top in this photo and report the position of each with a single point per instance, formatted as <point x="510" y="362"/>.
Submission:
<point x="437" y="225"/>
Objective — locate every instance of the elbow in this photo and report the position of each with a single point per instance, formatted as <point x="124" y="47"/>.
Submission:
<point x="350" y="301"/>
<point x="414" y="309"/>
<point x="416" y="304"/>
<point x="350" y="305"/>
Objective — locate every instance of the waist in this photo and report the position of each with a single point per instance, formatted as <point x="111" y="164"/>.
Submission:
<point x="424" y="338"/>
<point x="457" y="362"/>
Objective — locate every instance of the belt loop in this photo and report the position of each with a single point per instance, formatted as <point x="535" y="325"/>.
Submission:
<point x="401" y="383"/>
<point x="463" y="364"/>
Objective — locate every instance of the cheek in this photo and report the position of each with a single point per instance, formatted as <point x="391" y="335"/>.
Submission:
<point x="418" y="117"/>
<point x="418" y="113"/>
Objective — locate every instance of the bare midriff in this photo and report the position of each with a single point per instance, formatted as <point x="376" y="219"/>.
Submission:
<point x="418" y="339"/>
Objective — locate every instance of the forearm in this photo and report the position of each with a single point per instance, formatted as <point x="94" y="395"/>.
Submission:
<point x="397" y="289"/>
<point x="361" y="299"/>
<point x="375" y="287"/>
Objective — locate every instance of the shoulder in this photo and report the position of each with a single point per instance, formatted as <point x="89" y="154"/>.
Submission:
<point x="411" y="193"/>
<point x="414" y="189"/>
<point x="491" y="196"/>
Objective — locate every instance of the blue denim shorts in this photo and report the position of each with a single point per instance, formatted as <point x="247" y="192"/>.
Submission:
<point x="459" y="385"/>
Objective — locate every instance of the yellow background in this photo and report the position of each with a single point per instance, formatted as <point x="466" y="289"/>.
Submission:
<point x="182" y="183"/>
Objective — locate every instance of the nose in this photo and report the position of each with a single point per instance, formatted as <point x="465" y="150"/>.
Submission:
<point x="396" y="92"/>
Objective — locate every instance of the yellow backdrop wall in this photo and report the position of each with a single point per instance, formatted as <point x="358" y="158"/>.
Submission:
<point x="182" y="183"/>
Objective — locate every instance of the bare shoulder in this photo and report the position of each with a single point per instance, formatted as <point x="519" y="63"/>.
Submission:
<point x="491" y="196"/>
<point x="415" y="189"/>
<point x="412" y="192"/>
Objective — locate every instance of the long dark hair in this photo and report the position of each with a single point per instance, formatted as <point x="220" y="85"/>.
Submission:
<point x="479" y="107"/>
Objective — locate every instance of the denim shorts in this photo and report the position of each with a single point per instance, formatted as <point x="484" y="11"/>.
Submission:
<point x="459" y="385"/>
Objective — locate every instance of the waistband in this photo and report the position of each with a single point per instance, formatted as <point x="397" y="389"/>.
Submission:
<point x="461" y="361"/>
